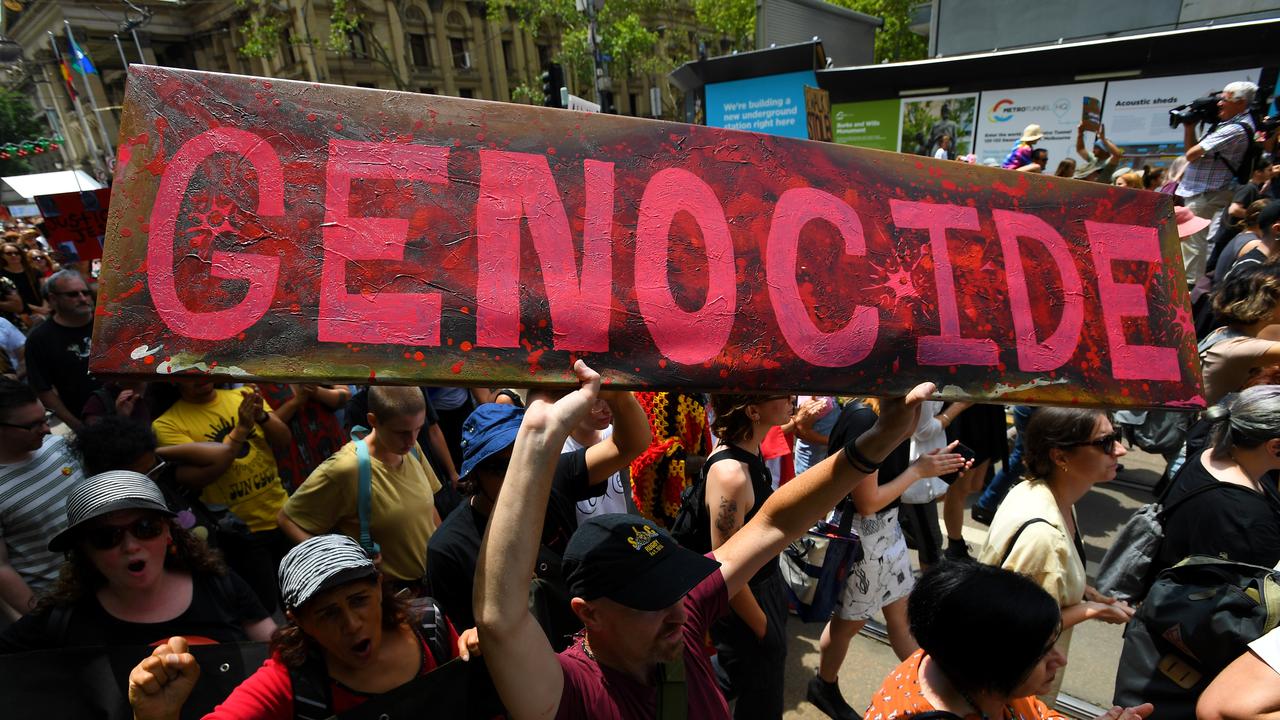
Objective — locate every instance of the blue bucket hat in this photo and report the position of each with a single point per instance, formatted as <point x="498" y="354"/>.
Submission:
<point x="489" y="429"/>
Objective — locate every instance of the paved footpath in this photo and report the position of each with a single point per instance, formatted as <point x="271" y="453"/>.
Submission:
<point x="1095" y="646"/>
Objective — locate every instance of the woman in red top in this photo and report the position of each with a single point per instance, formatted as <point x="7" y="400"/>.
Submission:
<point x="986" y="650"/>
<point x="358" y="639"/>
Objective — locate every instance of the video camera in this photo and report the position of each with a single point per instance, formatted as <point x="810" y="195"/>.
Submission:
<point x="1201" y="110"/>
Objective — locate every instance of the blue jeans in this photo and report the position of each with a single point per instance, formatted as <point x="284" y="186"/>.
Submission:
<point x="1010" y="474"/>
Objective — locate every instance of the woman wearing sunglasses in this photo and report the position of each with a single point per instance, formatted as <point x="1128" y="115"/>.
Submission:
<point x="134" y="577"/>
<point x="1067" y="452"/>
<point x="41" y="264"/>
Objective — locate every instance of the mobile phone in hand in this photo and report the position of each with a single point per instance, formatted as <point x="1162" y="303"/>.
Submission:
<point x="966" y="452"/>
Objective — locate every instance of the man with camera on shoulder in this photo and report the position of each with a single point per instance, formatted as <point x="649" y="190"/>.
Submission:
<point x="1210" y="176"/>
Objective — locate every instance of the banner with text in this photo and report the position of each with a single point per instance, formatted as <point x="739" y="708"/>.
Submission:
<point x="294" y="231"/>
<point x="773" y="105"/>
<point x="1057" y="109"/>
<point x="870" y="124"/>
<point x="1136" y="112"/>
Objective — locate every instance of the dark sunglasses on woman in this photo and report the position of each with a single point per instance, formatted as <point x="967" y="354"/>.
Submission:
<point x="105" y="537"/>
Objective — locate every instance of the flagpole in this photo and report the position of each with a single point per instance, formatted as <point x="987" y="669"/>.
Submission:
<point x="93" y="101"/>
<point x="66" y="148"/>
<point x="75" y="101"/>
<point x="120" y="49"/>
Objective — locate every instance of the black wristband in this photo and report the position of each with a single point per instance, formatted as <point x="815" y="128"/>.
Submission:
<point x="857" y="460"/>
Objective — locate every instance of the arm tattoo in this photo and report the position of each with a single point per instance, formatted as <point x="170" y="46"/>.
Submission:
<point x="727" y="518"/>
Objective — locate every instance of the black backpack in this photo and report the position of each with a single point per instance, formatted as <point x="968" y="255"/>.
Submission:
<point x="1252" y="154"/>
<point x="691" y="526"/>
<point x="1198" y="617"/>
<point x="311" y="697"/>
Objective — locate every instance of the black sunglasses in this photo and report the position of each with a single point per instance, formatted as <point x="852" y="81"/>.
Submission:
<point x="1106" y="443"/>
<point x="29" y="427"/>
<point x="105" y="537"/>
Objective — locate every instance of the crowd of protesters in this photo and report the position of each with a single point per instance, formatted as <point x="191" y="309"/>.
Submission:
<point x="373" y="535"/>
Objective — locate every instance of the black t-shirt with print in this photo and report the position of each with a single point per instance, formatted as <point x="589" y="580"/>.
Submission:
<point x="454" y="548"/>
<point x="220" y="606"/>
<point x="58" y="358"/>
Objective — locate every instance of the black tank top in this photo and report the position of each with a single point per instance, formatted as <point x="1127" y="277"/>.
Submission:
<point x="761" y="488"/>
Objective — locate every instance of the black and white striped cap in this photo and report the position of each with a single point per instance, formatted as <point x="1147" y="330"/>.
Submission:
<point x="105" y="493"/>
<point x="321" y="563"/>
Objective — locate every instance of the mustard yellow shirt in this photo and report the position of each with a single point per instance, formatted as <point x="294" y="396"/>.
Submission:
<point x="251" y="486"/>
<point x="402" y="506"/>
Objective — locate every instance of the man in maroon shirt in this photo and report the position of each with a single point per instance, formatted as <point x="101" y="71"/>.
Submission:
<point x="645" y="601"/>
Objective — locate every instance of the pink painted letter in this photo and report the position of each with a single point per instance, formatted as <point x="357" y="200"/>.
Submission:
<point x="515" y="185"/>
<point x="848" y="345"/>
<point x="375" y="317"/>
<point x="1058" y="348"/>
<point x="949" y="348"/>
<point x="259" y="271"/>
<point x="1111" y="242"/>
<point x="686" y="337"/>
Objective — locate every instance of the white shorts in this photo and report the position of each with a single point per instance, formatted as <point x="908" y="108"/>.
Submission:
<point x="884" y="574"/>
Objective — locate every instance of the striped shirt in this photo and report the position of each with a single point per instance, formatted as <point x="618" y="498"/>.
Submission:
<point x="1228" y="141"/>
<point x="33" y="509"/>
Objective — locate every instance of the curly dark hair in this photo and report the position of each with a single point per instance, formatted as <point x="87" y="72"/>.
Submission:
<point x="114" y="442"/>
<point x="78" y="577"/>
<point x="295" y="647"/>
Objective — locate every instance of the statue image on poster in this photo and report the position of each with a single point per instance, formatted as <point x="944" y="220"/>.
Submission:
<point x="926" y="120"/>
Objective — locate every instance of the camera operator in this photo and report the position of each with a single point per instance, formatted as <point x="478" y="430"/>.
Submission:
<point x="1209" y="180"/>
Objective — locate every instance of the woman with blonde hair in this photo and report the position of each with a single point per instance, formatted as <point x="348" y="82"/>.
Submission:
<point x="1131" y="180"/>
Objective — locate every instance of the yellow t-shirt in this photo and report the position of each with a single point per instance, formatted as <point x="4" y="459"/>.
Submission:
<point x="402" y="504"/>
<point x="1044" y="552"/>
<point x="251" y="486"/>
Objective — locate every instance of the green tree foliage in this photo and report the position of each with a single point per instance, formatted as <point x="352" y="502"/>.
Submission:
<point x="894" y="42"/>
<point x="736" y="20"/>
<point x="17" y="123"/>
<point x="627" y="31"/>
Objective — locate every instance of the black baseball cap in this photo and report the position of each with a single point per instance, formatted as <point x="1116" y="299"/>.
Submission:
<point x="633" y="562"/>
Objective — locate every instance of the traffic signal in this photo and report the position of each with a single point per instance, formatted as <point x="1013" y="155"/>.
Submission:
<point x="552" y="81"/>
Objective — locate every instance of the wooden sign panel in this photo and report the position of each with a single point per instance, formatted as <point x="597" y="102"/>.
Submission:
<point x="294" y="231"/>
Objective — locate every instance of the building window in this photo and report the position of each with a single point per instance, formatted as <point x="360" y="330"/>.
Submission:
<point x="371" y="86"/>
<point x="634" y="99"/>
<point x="461" y="58"/>
<point x="508" y="56"/>
<point x="359" y="48"/>
<point x="287" y="56"/>
<point x="544" y="56"/>
<point x="418" y="50"/>
<point x="427" y="90"/>
<point x="466" y="93"/>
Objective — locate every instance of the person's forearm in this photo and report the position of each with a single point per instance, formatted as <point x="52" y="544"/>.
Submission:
<point x="744" y="605"/>
<point x="510" y="545"/>
<point x="1188" y="139"/>
<point x="333" y="398"/>
<point x="291" y="529"/>
<point x="440" y="450"/>
<point x="887" y="493"/>
<point x="795" y="506"/>
<point x="53" y="403"/>
<point x="289" y="408"/>
<point x="199" y="463"/>
<point x="631" y="432"/>
<point x="1076" y="614"/>
<point x="14" y="590"/>
<point x="277" y="433"/>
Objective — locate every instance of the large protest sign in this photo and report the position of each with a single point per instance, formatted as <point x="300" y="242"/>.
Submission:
<point x="287" y="230"/>
<point x="1003" y="114"/>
